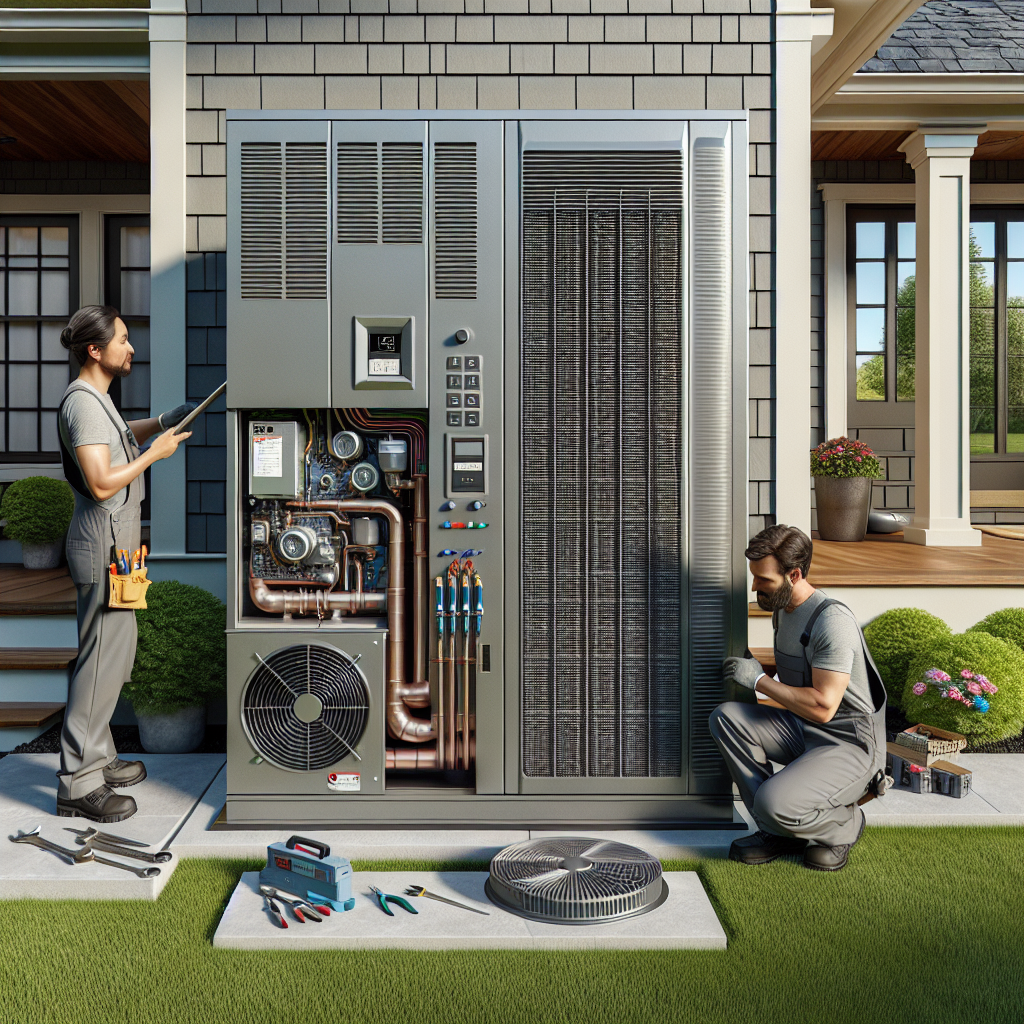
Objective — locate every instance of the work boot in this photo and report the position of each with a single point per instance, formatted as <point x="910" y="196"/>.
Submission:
<point x="124" y="773"/>
<point x="831" y="858"/>
<point x="762" y="847"/>
<point x="102" y="805"/>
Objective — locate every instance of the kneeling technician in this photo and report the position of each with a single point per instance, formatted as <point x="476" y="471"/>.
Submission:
<point x="823" y="718"/>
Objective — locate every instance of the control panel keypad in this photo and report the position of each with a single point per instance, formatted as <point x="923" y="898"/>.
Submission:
<point x="455" y="382"/>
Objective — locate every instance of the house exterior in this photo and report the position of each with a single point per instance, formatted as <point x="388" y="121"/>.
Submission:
<point x="877" y="194"/>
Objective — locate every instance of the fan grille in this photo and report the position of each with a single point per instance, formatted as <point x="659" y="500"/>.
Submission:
<point x="572" y="880"/>
<point x="280" y="714"/>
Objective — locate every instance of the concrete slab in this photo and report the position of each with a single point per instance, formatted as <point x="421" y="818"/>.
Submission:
<point x="686" y="920"/>
<point x="28" y="798"/>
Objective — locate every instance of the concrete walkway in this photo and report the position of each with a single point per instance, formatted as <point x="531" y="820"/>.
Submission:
<point x="185" y="793"/>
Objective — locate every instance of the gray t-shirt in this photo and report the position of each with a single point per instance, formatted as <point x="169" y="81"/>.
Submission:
<point x="835" y="646"/>
<point x="83" y="421"/>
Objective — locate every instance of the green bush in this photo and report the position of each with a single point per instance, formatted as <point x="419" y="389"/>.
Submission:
<point x="895" y="638"/>
<point x="38" y="509"/>
<point x="1007" y="624"/>
<point x="181" y="660"/>
<point x="996" y="659"/>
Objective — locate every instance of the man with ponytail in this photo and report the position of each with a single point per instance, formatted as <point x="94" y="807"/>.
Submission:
<point x="104" y="465"/>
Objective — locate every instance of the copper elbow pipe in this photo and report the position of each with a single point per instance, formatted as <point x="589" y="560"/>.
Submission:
<point x="308" y="602"/>
<point x="417" y="693"/>
<point x="400" y="723"/>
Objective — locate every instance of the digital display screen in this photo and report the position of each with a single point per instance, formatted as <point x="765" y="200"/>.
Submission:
<point x="468" y="450"/>
<point x="389" y="343"/>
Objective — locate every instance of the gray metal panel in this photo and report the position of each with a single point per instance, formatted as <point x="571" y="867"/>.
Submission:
<point x="471" y="143"/>
<point x="277" y="348"/>
<point x="377" y="278"/>
<point x="626" y="117"/>
<point x="247" y="780"/>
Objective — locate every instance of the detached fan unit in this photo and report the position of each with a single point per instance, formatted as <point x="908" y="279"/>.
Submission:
<point x="306" y="707"/>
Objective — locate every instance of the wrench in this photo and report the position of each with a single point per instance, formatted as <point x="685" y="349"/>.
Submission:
<point x="160" y="857"/>
<point x="82" y="856"/>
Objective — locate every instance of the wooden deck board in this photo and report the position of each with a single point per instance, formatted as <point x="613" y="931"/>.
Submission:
<point x="36" y="657"/>
<point x="36" y="591"/>
<point x="20" y="714"/>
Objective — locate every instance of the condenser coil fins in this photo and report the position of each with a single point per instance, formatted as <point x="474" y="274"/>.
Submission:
<point x="568" y="880"/>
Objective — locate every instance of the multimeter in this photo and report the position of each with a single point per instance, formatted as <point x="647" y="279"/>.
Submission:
<point x="305" y="866"/>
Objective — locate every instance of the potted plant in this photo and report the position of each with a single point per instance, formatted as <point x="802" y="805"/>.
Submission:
<point x="180" y="665"/>
<point x="843" y="471"/>
<point x="37" y="511"/>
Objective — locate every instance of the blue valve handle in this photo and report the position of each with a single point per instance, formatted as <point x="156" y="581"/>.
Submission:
<point x="465" y="603"/>
<point x="478" y="601"/>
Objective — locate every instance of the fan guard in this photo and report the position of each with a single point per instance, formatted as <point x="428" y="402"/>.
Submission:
<point x="572" y="880"/>
<point x="305" y="707"/>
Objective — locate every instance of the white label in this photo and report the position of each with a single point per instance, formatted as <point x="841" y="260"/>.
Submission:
<point x="347" y="782"/>
<point x="469" y="467"/>
<point x="267" y="455"/>
<point x="385" y="367"/>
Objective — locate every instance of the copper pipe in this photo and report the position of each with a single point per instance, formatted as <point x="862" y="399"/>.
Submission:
<point x="400" y="723"/>
<point x="417" y="693"/>
<point x="411" y="757"/>
<point x="308" y="602"/>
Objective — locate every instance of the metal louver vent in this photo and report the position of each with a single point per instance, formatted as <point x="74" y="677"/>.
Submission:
<point x="455" y="220"/>
<point x="380" y="193"/>
<point x="305" y="707"/>
<point x="402" y="193"/>
<point x="283" y="220"/>
<point x="358" y="194"/>
<point x="569" y="880"/>
<point x="710" y="455"/>
<point x="602" y="463"/>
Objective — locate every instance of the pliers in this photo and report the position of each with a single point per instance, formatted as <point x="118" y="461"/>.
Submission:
<point x="384" y="898"/>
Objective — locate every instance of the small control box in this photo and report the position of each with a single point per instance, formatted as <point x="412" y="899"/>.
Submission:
<point x="468" y="462"/>
<point x="275" y="468"/>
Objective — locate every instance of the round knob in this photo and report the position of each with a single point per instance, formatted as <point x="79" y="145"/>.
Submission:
<point x="475" y="505"/>
<point x="462" y="335"/>
<point x="448" y="506"/>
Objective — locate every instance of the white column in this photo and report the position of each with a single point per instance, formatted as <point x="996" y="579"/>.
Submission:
<point x="834" y="349"/>
<point x="167" y="240"/>
<point x="799" y="32"/>
<point x="941" y="158"/>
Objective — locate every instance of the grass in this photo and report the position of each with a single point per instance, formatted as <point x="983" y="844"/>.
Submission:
<point x="923" y="926"/>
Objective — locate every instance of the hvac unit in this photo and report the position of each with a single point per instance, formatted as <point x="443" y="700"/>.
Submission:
<point x="488" y="435"/>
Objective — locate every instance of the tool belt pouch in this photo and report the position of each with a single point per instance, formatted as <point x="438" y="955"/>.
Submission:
<point x="129" y="591"/>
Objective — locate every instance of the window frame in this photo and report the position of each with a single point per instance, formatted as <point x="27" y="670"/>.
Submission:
<point x="71" y="222"/>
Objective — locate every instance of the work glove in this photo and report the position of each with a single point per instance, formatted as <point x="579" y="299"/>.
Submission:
<point x="174" y="416"/>
<point x="743" y="671"/>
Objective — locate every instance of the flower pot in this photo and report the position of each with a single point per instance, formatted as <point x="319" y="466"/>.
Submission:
<point x="843" y="504"/>
<point x="42" y="556"/>
<point x="179" y="732"/>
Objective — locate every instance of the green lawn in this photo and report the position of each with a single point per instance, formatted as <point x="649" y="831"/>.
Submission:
<point x="923" y="926"/>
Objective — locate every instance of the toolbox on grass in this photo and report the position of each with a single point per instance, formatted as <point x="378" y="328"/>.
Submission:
<point x="305" y="867"/>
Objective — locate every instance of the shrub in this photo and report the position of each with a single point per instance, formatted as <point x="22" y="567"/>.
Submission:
<point x="1000" y="662"/>
<point x="38" y="509"/>
<point x="1007" y="624"/>
<point x="181" y="660"/>
<point x="895" y="638"/>
<point x="842" y="457"/>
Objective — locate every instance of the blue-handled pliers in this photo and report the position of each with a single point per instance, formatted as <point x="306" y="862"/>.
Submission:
<point x="384" y="898"/>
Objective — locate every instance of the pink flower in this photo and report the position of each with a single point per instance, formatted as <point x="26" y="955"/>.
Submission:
<point x="955" y="693"/>
<point x="936" y="675"/>
<point x="966" y="674"/>
<point x="989" y="687"/>
<point x="974" y="687"/>
<point x="920" y="688"/>
<point x="981" y="678"/>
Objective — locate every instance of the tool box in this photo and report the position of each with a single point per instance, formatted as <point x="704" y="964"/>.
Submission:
<point x="305" y="867"/>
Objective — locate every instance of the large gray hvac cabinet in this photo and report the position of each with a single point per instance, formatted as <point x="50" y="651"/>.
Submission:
<point x="563" y="302"/>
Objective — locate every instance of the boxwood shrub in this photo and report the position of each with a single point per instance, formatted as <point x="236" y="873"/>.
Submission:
<point x="895" y="638"/>
<point x="999" y="661"/>
<point x="1007" y="624"/>
<point x="181" y="659"/>
<point x="38" y="509"/>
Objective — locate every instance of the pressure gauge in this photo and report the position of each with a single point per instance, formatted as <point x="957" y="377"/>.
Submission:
<point x="364" y="477"/>
<point x="296" y="543"/>
<point x="347" y="445"/>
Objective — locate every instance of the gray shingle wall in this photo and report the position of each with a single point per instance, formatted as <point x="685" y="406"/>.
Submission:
<point x="947" y="36"/>
<point x="491" y="55"/>
<point x="72" y="177"/>
<point x="894" y="446"/>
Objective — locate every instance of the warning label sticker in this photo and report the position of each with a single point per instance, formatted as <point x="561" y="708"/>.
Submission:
<point x="267" y="453"/>
<point x="344" y="782"/>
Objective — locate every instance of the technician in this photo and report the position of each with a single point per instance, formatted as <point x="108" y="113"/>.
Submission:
<point x="103" y="464"/>
<point x="823" y="718"/>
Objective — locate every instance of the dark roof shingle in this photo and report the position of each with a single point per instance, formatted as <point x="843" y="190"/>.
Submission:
<point x="955" y="36"/>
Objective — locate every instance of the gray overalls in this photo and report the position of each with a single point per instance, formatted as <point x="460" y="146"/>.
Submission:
<point x="829" y="766"/>
<point x="106" y="636"/>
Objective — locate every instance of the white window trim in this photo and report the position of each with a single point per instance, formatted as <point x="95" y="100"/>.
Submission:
<point x="836" y="196"/>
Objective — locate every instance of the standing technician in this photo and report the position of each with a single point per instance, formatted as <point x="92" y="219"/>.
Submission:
<point x="103" y="464"/>
<point x="823" y="718"/>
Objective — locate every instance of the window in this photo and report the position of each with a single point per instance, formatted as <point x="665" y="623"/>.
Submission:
<point x="881" y="252"/>
<point x="997" y="331"/>
<point x="38" y="292"/>
<point x="127" y="288"/>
